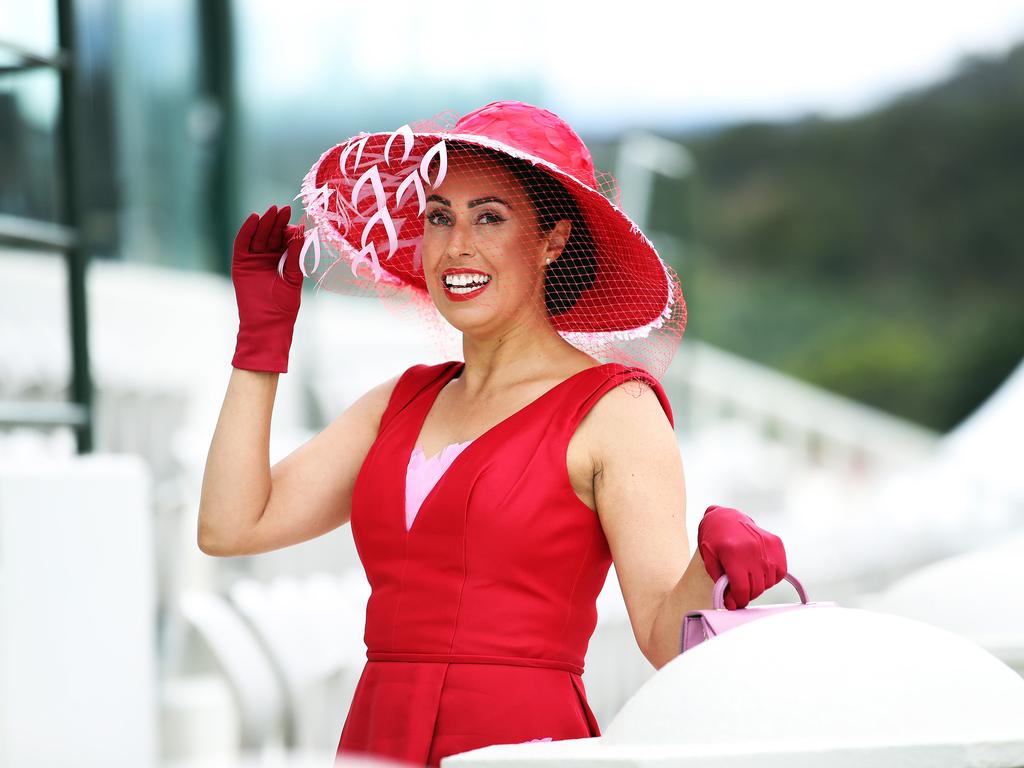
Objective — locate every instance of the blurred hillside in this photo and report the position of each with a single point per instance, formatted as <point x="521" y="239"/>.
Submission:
<point x="880" y="256"/>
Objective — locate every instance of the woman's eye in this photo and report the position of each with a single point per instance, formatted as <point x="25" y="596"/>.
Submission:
<point x="440" y="219"/>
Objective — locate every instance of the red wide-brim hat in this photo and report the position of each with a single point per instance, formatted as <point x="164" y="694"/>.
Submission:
<point x="365" y="197"/>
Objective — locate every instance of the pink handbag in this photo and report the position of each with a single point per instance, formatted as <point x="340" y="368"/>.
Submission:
<point x="698" y="626"/>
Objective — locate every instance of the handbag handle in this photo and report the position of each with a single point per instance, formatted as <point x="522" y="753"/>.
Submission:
<point x="718" y="599"/>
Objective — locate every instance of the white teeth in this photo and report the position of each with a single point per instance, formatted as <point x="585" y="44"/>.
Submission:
<point x="466" y="288"/>
<point x="466" y="279"/>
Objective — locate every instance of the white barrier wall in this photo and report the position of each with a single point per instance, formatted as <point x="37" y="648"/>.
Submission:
<point x="826" y="686"/>
<point x="78" y="669"/>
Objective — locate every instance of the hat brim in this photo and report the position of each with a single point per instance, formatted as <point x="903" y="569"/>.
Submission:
<point x="634" y="290"/>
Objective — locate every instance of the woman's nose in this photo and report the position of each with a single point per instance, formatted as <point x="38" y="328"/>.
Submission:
<point x="460" y="240"/>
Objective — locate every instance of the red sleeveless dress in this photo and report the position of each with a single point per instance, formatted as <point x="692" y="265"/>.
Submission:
<point x="481" y="612"/>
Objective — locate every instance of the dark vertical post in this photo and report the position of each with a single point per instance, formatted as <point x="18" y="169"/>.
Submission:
<point x="76" y="254"/>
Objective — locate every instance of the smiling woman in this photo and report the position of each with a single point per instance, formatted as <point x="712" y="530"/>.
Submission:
<point x="557" y="448"/>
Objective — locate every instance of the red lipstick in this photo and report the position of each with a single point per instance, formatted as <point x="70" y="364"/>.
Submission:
<point x="464" y="289"/>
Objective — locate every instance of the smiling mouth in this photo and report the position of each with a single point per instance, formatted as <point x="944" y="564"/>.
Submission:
<point x="464" y="284"/>
<point x="462" y="290"/>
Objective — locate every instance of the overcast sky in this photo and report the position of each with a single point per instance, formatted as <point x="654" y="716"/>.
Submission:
<point x="781" y="58"/>
<point x="642" y="61"/>
<point x="600" y="65"/>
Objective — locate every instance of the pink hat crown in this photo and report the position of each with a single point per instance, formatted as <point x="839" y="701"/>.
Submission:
<point x="535" y="131"/>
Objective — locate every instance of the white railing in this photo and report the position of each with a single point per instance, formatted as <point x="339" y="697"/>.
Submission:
<point x="710" y="384"/>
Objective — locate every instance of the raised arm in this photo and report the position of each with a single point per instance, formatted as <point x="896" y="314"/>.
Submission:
<point x="247" y="506"/>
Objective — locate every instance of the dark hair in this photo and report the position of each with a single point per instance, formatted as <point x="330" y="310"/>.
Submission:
<point x="575" y="270"/>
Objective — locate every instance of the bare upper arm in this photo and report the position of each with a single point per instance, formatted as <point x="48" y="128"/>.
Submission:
<point x="640" y="494"/>
<point x="311" y="488"/>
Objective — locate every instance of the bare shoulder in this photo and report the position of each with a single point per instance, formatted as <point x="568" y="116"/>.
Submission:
<point x="627" y="419"/>
<point x="625" y="424"/>
<point x="374" y="402"/>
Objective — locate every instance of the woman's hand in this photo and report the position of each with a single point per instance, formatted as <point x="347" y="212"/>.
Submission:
<point x="730" y="542"/>
<point x="267" y="304"/>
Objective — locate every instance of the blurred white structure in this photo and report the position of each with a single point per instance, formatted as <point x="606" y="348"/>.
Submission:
<point x="199" y="722"/>
<point x="825" y="686"/>
<point x="78" y="664"/>
<point x="291" y="652"/>
<point x="988" y="446"/>
<point x="859" y="497"/>
<point x="976" y="594"/>
<point x="312" y="630"/>
<point x="243" y="663"/>
<point x="641" y="157"/>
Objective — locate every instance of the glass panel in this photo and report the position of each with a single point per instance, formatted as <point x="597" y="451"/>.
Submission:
<point x="161" y="191"/>
<point x="29" y="149"/>
<point x="31" y="25"/>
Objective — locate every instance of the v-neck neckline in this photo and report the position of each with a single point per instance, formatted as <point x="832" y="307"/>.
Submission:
<point x="454" y="372"/>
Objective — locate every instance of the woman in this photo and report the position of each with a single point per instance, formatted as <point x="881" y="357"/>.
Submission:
<point x="551" y="452"/>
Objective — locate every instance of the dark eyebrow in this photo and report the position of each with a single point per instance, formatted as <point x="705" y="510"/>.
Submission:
<point x="471" y="203"/>
<point x="488" y="199"/>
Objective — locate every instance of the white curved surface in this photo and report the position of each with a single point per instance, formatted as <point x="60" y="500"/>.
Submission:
<point x="824" y="686"/>
<point x="835" y="676"/>
<point x="977" y="592"/>
<point x="590" y="752"/>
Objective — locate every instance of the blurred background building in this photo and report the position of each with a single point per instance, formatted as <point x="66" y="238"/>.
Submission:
<point x="837" y="187"/>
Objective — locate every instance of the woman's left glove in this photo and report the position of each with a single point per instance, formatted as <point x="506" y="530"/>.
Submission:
<point x="754" y="559"/>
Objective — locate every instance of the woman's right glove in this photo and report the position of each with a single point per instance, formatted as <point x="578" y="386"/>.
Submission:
<point x="267" y="304"/>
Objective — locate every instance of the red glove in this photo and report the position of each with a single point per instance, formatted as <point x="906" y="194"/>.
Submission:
<point x="267" y="304"/>
<point x="754" y="559"/>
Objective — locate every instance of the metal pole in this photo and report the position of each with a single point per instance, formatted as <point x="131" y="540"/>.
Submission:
<point x="77" y="255"/>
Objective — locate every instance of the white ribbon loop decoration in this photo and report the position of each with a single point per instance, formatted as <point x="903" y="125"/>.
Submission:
<point x="382" y="217"/>
<point x="412" y="180"/>
<point x="312" y="237"/>
<point x="407" y="138"/>
<point x="369" y="255"/>
<point x="441" y="152"/>
<point x="320" y="198"/>
<point x="372" y="177"/>
<point x="353" y="144"/>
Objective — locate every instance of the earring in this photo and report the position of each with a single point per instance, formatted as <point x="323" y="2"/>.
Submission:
<point x="547" y="260"/>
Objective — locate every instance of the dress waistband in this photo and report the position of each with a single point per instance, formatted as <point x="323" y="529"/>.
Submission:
<point x="469" y="658"/>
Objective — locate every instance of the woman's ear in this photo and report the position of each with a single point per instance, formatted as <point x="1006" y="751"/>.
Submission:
<point x="557" y="238"/>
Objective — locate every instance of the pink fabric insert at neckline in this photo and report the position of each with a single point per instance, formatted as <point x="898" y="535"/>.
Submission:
<point x="422" y="475"/>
